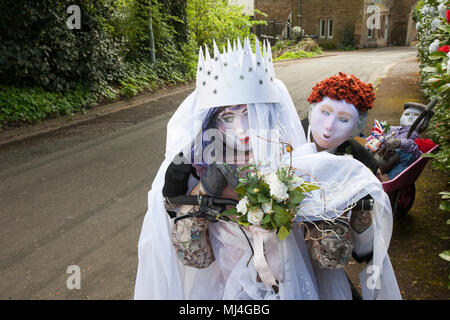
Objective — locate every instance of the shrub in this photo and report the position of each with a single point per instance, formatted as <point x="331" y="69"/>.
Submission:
<point x="34" y="104"/>
<point x="297" y="33"/>
<point x="433" y="45"/>
<point x="435" y="74"/>
<point x="38" y="49"/>
<point x="348" y="38"/>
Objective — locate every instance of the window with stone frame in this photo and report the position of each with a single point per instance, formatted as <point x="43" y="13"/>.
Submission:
<point x="322" y="26"/>
<point x="330" y="28"/>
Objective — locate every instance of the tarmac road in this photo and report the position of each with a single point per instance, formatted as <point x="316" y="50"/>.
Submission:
<point x="77" y="195"/>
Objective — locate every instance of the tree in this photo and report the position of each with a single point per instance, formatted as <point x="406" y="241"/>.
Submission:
<point x="38" y="48"/>
<point x="216" y="19"/>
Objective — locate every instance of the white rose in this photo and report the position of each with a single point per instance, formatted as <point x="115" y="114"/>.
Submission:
<point x="278" y="190"/>
<point x="434" y="46"/>
<point x="435" y="23"/>
<point x="267" y="207"/>
<point x="432" y="10"/>
<point x="242" y="205"/>
<point x="270" y="178"/>
<point x="255" y="216"/>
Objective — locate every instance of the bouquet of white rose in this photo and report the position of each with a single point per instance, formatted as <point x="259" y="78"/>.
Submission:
<point x="269" y="199"/>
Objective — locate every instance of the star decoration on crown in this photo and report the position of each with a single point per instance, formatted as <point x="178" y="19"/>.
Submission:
<point x="235" y="61"/>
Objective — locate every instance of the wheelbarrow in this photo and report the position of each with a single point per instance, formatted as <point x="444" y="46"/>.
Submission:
<point x="402" y="190"/>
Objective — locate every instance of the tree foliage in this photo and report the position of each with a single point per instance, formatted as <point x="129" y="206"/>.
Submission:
<point x="435" y="74"/>
<point x="38" y="49"/>
<point x="218" y="20"/>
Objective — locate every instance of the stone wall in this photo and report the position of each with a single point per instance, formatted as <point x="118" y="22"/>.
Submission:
<point x="344" y="13"/>
<point x="401" y="20"/>
<point x="278" y="10"/>
<point x="380" y="33"/>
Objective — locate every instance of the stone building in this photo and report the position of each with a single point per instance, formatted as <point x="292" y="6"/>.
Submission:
<point x="368" y="23"/>
<point x="278" y="10"/>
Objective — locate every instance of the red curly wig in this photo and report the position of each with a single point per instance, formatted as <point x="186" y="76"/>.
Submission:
<point x="343" y="87"/>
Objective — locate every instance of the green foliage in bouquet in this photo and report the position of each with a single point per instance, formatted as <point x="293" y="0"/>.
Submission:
<point x="269" y="200"/>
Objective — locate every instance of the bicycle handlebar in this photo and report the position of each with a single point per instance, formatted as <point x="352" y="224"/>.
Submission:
<point x="201" y="200"/>
<point x="206" y="202"/>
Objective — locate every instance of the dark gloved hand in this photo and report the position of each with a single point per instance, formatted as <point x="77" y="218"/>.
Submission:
<point x="176" y="179"/>
<point x="389" y="147"/>
<point x="392" y="144"/>
<point x="217" y="177"/>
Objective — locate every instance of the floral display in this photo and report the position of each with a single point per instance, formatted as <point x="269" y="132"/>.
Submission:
<point x="444" y="48"/>
<point x="425" y="145"/>
<point x="269" y="198"/>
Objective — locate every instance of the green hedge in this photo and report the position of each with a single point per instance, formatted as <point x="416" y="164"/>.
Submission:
<point x="435" y="72"/>
<point x="433" y="29"/>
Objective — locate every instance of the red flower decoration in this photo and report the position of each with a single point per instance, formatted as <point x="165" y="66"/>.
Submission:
<point x="448" y="16"/>
<point x="445" y="49"/>
<point x="425" y="144"/>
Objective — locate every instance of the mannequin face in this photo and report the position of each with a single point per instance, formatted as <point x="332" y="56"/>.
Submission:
<point x="232" y="122"/>
<point x="332" y="122"/>
<point x="409" y="116"/>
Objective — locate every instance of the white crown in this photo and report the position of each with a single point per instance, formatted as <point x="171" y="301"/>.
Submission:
<point x="237" y="76"/>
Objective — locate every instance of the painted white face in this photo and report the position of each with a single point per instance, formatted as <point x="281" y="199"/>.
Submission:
<point x="232" y="122"/>
<point x="332" y="122"/>
<point x="409" y="116"/>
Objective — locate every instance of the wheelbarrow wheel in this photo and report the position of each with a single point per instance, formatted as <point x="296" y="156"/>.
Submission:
<point x="405" y="199"/>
